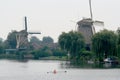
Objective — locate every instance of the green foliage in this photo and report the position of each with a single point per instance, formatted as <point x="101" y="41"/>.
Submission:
<point x="59" y="52"/>
<point x="35" y="39"/>
<point x="72" y="42"/>
<point x="34" y="43"/>
<point x="11" y="40"/>
<point x="118" y="51"/>
<point x="44" y="52"/>
<point x="1" y="46"/>
<point x="104" y="44"/>
<point x="1" y="49"/>
<point x="85" y="55"/>
<point x="118" y="43"/>
<point x="47" y="40"/>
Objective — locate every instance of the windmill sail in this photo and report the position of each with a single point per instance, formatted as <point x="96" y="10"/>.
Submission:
<point x="25" y="23"/>
<point x="98" y="23"/>
<point x="90" y="9"/>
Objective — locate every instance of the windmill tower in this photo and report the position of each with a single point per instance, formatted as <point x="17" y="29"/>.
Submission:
<point x="22" y="37"/>
<point x="86" y="27"/>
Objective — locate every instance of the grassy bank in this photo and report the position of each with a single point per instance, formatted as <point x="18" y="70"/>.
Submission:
<point x="53" y="58"/>
<point x="14" y="56"/>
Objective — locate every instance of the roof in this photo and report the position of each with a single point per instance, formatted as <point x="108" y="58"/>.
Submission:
<point x="85" y="21"/>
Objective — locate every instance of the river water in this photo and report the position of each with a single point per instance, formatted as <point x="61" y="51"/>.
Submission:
<point x="43" y="70"/>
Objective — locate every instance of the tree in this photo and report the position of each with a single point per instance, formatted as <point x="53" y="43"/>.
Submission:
<point x="47" y="40"/>
<point x="43" y="52"/>
<point x="35" y="39"/>
<point x="118" y="42"/>
<point x="1" y="45"/>
<point x="72" y="42"/>
<point x="86" y="55"/>
<point x="104" y="44"/>
<point x="11" y="39"/>
<point x="64" y="40"/>
<point x="58" y="52"/>
<point x="35" y="43"/>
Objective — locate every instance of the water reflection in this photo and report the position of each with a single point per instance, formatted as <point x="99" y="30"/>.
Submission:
<point x="82" y="65"/>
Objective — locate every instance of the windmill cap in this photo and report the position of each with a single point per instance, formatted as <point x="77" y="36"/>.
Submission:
<point x="85" y="21"/>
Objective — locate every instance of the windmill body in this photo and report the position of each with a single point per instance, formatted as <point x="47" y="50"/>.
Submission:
<point x="22" y="40"/>
<point x="85" y="27"/>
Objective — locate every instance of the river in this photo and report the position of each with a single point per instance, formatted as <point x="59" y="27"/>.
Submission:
<point x="43" y="70"/>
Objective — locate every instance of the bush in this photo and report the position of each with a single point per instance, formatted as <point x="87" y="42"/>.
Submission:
<point x="59" y="53"/>
<point x="86" y="55"/>
<point x="44" y="52"/>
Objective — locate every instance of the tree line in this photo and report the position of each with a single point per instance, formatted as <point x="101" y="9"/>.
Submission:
<point x="71" y="45"/>
<point x="105" y="44"/>
<point x="37" y="48"/>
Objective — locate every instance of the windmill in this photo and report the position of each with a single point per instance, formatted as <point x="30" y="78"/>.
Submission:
<point x="86" y="27"/>
<point x="22" y="39"/>
<point x="22" y="36"/>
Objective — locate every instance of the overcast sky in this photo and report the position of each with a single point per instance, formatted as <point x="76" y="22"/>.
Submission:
<point x="52" y="17"/>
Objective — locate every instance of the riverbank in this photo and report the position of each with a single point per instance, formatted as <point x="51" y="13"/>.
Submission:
<point x="63" y="58"/>
<point x="13" y="56"/>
